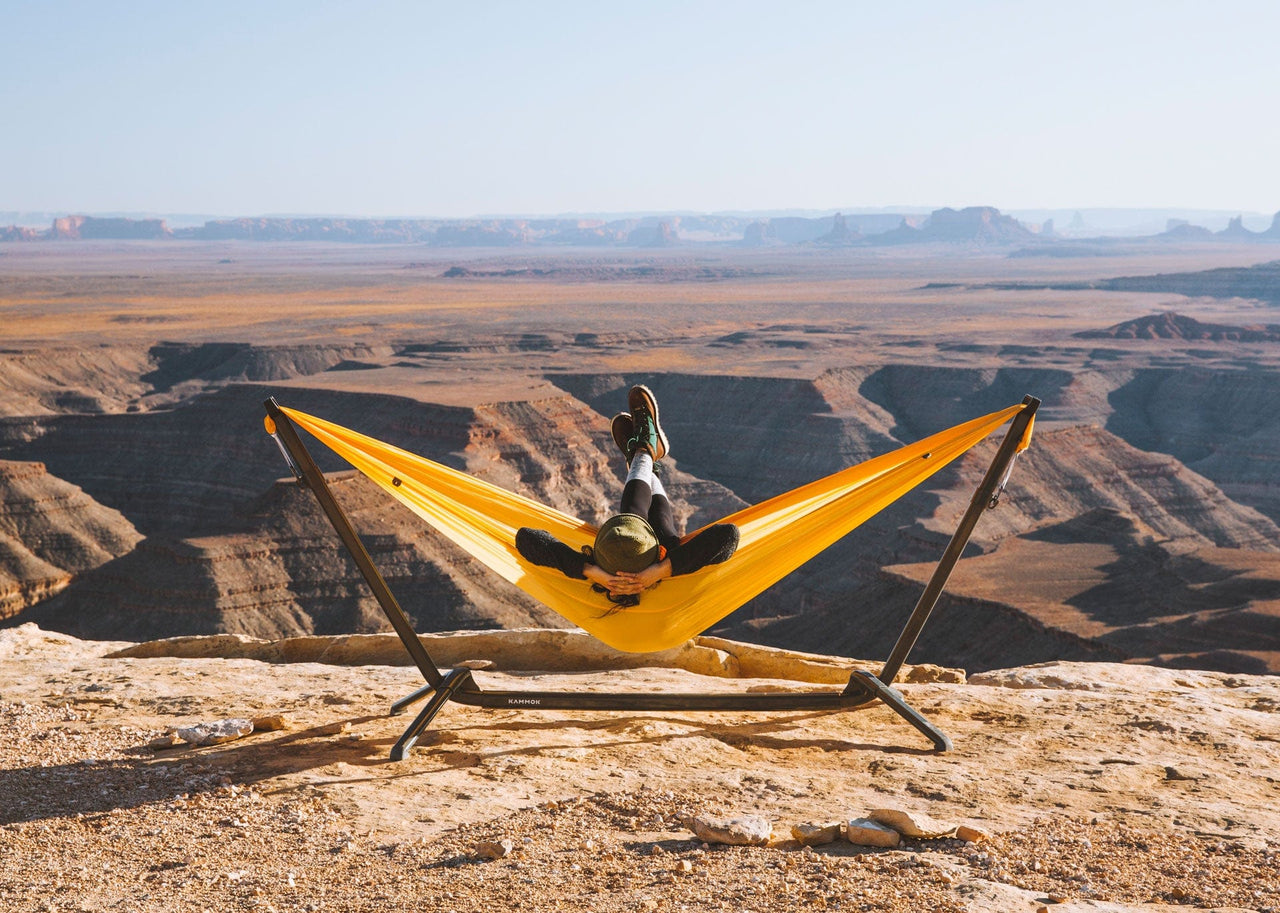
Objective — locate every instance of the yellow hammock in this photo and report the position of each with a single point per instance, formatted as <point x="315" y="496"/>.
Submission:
<point x="777" y="535"/>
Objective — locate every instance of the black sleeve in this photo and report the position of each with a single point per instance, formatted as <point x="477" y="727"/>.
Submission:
<point x="540" y="547"/>
<point x="711" y="546"/>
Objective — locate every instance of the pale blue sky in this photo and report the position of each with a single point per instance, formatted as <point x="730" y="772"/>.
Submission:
<point x="433" y="109"/>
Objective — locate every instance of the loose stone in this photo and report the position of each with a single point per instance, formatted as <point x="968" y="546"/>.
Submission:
<point x="271" y="723"/>
<point x="216" y="733"/>
<point x="813" y="834"/>
<point x="168" y="740"/>
<point x="865" y="832"/>
<point x="749" y="830"/>
<point x="971" y="834"/>
<point x="494" y="849"/>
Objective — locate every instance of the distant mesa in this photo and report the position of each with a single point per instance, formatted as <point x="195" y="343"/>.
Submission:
<point x="972" y="225"/>
<point x="90" y="228"/>
<point x="1182" y="230"/>
<point x="480" y="234"/>
<point x="761" y="234"/>
<point x="840" y="233"/>
<point x="1170" y="325"/>
<point x="18" y="233"/>
<point x="1261" y="281"/>
<point x="1235" y="230"/>
<point x="660" y="235"/>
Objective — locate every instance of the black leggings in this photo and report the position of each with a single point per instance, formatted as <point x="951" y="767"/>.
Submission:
<point x="638" y="498"/>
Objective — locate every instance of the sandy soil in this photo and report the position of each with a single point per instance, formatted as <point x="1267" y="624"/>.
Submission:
<point x="1104" y="787"/>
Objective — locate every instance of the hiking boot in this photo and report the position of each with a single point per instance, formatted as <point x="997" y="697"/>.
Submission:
<point x="622" y="428"/>
<point x="646" y="433"/>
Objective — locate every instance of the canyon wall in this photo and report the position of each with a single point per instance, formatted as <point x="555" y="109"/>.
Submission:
<point x="1179" y="457"/>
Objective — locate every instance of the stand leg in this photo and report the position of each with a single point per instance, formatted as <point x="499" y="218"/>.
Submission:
<point x="451" y="683"/>
<point x="403" y="704"/>
<point x="892" y="699"/>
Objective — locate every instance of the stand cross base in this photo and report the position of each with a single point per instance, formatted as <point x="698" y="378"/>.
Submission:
<point x="459" y="686"/>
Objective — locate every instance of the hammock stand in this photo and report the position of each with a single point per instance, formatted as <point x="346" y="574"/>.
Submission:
<point x="459" y="685"/>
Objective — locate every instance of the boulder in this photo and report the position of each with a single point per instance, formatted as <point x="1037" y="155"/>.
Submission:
<point x="216" y="733"/>
<point x="750" y="830"/>
<point x="912" y="824"/>
<point x="865" y="832"/>
<point x="816" y="834"/>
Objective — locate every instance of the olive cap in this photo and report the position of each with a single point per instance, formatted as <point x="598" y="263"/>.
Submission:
<point x="626" y="542"/>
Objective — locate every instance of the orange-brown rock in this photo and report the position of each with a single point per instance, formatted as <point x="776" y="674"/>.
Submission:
<point x="51" y="531"/>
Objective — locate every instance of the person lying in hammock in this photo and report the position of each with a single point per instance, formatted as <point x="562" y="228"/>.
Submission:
<point x="638" y="547"/>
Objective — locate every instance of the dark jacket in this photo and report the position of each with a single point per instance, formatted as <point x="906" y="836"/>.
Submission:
<point x="711" y="546"/>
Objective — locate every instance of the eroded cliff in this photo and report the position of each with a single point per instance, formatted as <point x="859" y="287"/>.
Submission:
<point x="230" y="549"/>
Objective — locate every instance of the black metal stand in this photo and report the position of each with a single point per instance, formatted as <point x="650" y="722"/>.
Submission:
<point x="460" y="686"/>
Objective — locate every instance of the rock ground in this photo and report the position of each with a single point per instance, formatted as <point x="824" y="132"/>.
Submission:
<point x="1105" y="787"/>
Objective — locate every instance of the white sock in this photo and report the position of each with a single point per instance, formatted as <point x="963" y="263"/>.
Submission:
<point x="656" y="486"/>
<point x="642" y="468"/>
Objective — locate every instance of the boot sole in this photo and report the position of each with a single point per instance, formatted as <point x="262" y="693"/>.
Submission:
<point x="642" y="397"/>
<point x="621" y="428"/>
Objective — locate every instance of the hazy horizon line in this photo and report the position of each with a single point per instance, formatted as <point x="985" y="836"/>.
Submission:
<point x="616" y="215"/>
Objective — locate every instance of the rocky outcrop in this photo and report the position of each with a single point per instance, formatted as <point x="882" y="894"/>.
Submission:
<point x="18" y="233"/>
<point x="480" y="235"/>
<point x="50" y="531"/>
<point x="797" y="230"/>
<point x="1103" y="577"/>
<point x="1235" y="231"/>
<point x="659" y="235"/>
<point x="743" y="449"/>
<point x="760" y="234"/>
<point x="214" y="543"/>
<point x="285" y="573"/>
<point x="532" y="649"/>
<point x="371" y="231"/>
<point x="1068" y="476"/>
<point x="90" y="228"/>
<point x="1078" y="472"/>
<point x="1182" y="231"/>
<point x="206" y="363"/>
<point x="981" y="225"/>
<point x="840" y="234"/>
<point x="84" y="380"/>
<point x="277" y="568"/>
<point x="1261" y="282"/>
<point x="1223" y="424"/>
<point x="1170" y="325"/>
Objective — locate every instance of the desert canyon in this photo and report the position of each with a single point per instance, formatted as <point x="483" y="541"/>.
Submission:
<point x="1116" y="618"/>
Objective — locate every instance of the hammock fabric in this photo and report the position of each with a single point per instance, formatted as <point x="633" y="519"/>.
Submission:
<point x="777" y="535"/>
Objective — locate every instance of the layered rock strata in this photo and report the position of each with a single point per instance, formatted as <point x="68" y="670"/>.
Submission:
<point x="50" y="531"/>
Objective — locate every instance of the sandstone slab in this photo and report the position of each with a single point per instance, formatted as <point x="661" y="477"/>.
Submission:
<point x="912" y="823"/>
<point x="749" y="830"/>
<point x="816" y="834"/>
<point x="217" y="732"/>
<point x="865" y="832"/>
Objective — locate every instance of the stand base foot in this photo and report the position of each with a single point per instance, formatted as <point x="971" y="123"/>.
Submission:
<point x="869" y="684"/>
